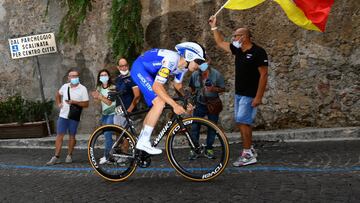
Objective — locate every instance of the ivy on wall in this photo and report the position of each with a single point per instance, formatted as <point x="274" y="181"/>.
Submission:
<point x="76" y="14"/>
<point x="126" y="31"/>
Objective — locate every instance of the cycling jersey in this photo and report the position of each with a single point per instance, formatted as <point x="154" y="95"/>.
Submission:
<point x="156" y="65"/>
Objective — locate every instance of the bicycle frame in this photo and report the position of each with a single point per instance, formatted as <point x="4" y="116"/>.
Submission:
<point x="164" y="131"/>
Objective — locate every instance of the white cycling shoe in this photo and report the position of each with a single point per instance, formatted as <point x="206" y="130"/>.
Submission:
<point x="146" y="146"/>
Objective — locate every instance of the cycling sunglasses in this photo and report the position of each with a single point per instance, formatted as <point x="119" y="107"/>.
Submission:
<point x="199" y="61"/>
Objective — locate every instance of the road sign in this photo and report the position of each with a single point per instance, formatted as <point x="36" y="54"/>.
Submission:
<point x="32" y="45"/>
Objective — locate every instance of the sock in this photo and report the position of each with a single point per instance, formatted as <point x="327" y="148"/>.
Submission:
<point x="146" y="133"/>
<point x="247" y="151"/>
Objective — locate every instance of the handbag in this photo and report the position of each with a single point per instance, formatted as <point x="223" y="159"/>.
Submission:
<point x="75" y="110"/>
<point x="214" y="105"/>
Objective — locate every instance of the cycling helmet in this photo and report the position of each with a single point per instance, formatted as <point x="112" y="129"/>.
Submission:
<point x="191" y="51"/>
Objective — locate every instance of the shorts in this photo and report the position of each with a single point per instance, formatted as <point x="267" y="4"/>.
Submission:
<point x="144" y="81"/>
<point x="244" y="112"/>
<point x="65" y="125"/>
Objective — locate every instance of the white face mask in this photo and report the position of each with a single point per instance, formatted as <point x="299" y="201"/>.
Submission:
<point x="237" y="44"/>
<point x="124" y="72"/>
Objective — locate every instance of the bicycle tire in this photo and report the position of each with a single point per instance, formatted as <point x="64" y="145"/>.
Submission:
<point x="177" y="146"/>
<point x="112" y="170"/>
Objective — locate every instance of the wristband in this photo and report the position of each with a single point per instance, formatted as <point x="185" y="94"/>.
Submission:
<point x="214" y="28"/>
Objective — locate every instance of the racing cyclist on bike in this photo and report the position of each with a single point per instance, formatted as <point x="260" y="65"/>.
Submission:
<point x="150" y="72"/>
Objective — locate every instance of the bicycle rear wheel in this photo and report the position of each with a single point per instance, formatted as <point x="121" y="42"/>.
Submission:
<point x="206" y="161"/>
<point x="111" y="152"/>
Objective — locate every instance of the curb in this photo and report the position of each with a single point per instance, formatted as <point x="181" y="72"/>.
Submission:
<point x="290" y="135"/>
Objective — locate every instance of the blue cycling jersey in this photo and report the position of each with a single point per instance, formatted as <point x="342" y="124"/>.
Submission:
<point x="161" y="63"/>
<point x="156" y="65"/>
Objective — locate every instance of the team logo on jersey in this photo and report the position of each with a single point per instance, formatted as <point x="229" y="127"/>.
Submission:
<point x="164" y="72"/>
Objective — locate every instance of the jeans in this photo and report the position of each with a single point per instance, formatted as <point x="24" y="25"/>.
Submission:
<point x="107" y="119"/>
<point x="202" y="111"/>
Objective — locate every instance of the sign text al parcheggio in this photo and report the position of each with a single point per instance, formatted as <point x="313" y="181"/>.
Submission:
<point x="32" y="45"/>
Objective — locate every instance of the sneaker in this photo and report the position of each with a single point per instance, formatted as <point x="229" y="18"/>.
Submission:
<point x="68" y="159"/>
<point x="209" y="153"/>
<point x="103" y="160"/>
<point x="146" y="146"/>
<point x="54" y="160"/>
<point x="245" y="159"/>
<point x="253" y="151"/>
<point x="193" y="155"/>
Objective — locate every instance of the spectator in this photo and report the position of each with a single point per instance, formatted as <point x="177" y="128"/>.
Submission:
<point x="207" y="83"/>
<point x="251" y="71"/>
<point x="104" y="85"/>
<point x="131" y="91"/>
<point x="78" y="96"/>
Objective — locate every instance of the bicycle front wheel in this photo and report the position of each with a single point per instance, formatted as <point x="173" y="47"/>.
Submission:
<point x="210" y="157"/>
<point x="111" y="152"/>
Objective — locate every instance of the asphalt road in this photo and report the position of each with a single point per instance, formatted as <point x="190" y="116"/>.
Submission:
<point x="286" y="172"/>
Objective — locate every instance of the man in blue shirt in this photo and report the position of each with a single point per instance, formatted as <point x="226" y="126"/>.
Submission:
<point x="150" y="72"/>
<point x="207" y="83"/>
<point x="131" y="92"/>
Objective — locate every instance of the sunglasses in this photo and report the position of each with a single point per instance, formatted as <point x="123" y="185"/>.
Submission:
<point x="199" y="61"/>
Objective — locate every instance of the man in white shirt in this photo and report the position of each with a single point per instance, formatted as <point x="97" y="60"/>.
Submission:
<point x="71" y="93"/>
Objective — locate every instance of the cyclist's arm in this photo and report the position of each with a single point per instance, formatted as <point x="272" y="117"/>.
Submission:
<point x="179" y="88"/>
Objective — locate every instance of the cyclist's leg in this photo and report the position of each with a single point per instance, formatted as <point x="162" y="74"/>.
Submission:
<point x="145" y="81"/>
<point x="211" y="133"/>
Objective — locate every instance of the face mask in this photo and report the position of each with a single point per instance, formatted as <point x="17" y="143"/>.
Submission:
<point x="204" y="66"/>
<point x="124" y="72"/>
<point x="104" y="79"/>
<point x="74" y="81"/>
<point x="236" y="44"/>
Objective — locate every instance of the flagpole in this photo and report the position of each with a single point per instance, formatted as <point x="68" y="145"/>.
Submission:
<point x="221" y="8"/>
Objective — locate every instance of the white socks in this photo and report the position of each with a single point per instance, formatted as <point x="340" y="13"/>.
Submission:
<point x="145" y="133"/>
<point x="144" y="141"/>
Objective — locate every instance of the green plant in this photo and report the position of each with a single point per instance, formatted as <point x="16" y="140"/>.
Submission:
<point x="126" y="30"/>
<point x="76" y="14"/>
<point x="18" y="109"/>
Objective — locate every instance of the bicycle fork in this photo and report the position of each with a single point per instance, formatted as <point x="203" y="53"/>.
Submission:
<point x="194" y="145"/>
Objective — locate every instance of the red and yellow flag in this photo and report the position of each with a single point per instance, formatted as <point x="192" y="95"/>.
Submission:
<point x="242" y="4"/>
<point x="308" y="14"/>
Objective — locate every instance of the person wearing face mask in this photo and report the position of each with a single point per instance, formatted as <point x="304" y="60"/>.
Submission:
<point x="78" y="96"/>
<point x="104" y="85"/>
<point x="131" y="92"/>
<point x="206" y="83"/>
<point x="251" y="72"/>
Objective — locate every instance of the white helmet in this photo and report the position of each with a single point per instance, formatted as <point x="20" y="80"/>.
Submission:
<point x="191" y="51"/>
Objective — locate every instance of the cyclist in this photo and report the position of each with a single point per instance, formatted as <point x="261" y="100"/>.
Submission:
<point x="150" y="72"/>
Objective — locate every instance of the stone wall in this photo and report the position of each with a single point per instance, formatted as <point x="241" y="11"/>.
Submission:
<point x="313" y="77"/>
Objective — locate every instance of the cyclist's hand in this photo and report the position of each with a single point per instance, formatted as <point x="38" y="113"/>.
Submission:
<point x="178" y="109"/>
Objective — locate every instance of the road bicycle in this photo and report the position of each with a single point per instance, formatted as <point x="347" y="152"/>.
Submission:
<point x="180" y="142"/>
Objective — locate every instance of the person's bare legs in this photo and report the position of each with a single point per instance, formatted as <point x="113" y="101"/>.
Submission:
<point x="71" y="145"/>
<point x="154" y="114"/>
<point x="246" y="135"/>
<point x="150" y="121"/>
<point x="58" y="144"/>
